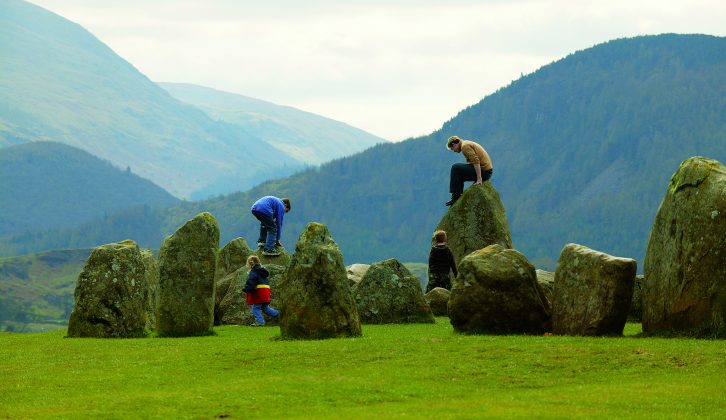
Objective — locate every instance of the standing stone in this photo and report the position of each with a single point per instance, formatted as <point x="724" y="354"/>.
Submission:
<point x="475" y="221"/>
<point x="636" y="305"/>
<point x="593" y="292"/>
<point x="315" y="297"/>
<point x="232" y="257"/>
<point x="389" y="294"/>
<point x="496" y="292"/>
<point x="438" y="300"/>
<point x="111" y="293"/>
<point x="152" y="282"/>
<point x="685" y="261"/>
<point x="187" y="263"/>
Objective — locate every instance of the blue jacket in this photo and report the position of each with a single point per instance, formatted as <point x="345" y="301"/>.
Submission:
<point x="273" y="207"/>
<point x="257" y="286"/>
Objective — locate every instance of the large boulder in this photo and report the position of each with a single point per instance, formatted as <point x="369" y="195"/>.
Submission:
<point x="315" y="297"/>
<point x="593" y="291"/>
<point x="438" y="300"/>
<point x="232" y="257"/>
<point x="475" y="221"/>
<point x="187" y="263"/>
<point x="685" y="262"/>
<point x="233" y="306"/>
<point x="152" y="283"/>
<point x="111" y="294"/>
<point x="389" y="294"/>
<point x="496" y="292"/>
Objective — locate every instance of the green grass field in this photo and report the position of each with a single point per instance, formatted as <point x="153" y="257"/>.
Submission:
<point x="419" y="370"/>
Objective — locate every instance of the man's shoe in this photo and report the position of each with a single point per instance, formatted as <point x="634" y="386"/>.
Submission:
<point x="452" y="201"/>
<point x="254" y="324"/>
<point x="270" y="252"/>
<point x="260" y="244"/>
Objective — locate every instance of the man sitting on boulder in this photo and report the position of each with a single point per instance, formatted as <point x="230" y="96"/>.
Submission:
<point x="478" y="166"/>
<point x="270" y="211"/>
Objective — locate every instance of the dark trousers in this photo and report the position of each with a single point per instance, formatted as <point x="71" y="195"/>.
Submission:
<point x="461" y="172"/>
<point x="268" y="230"/>
<point x="438" y="280"/>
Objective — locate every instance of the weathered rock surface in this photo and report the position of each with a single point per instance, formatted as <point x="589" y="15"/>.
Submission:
<point x="685" y="263"/>
<point x="593" y="292"/>
<point x="476" y="220"/>
<point x="546" y="280"/>
<point x="232" y="257"/>
<point x="187" y="264"/>
<point x="356" y="272"/>
<point x="152" y="284"/>
<point x="111" y="294"/>
<point x="438" y="300"/>
<point x="233" y="306"/>
<point x="496" y="292"/>
<point x="636" y="305"/>
<point x="390" y="294"/>
<point x="315" y="297"/>
<point x="283" y="259"/>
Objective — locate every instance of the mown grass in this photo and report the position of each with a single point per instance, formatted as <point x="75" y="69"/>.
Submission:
<point x="392" y="371"/>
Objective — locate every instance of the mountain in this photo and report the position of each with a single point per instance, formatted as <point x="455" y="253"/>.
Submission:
<point x="583" y="150"/>
<point x="36" y="291"/>
<point x="49" y="185"/>
<point x="309" y="138"/>
<point x="60" y="83"/>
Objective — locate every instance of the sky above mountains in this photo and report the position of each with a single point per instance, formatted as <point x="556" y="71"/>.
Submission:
<point x="396" y="69"/>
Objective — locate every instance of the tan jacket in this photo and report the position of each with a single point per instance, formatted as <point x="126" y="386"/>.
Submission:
<point x="474" y="153"/>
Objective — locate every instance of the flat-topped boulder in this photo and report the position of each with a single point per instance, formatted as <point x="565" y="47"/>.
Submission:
<point x="111" y="294"/>
<point x="315" y="296"/>
<point x="593" y="291"/>
<point x="187" y="266"/>
<point x="496" y="292"/>
<point x="684" y="290"/>
<point x="475" y="221"/>
<point x="389" y="294"/>
<point x="438" y="300"/>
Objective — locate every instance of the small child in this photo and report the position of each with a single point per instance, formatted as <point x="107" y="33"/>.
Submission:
<point x="441" y="260"/>
<point x="258" y="291"/>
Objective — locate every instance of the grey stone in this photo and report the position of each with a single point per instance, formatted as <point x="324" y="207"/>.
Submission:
<point x="315" y="297"/>
<point x="438" y="300"/>
<point x="152" y="282"/>
<point x="685" y="262"/>
<point x="496" y="292"/>
<point x="111" y="294"/>
<point x="356" y="272"/>
<point x="546" y="280"/>
<point x="187" y="265"/>
<point x="389" y="294"/>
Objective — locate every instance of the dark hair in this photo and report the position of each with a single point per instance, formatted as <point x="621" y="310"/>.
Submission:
<point x="286" y="201"/>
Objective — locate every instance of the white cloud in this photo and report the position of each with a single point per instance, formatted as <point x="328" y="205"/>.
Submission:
<point x="394" y="68"/>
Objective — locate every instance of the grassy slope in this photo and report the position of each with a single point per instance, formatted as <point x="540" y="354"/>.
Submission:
<point x="393" y="370"/>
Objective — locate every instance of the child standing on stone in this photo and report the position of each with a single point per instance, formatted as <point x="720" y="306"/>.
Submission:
<point x="258" y="291"/>
<point x="441" y="260"/>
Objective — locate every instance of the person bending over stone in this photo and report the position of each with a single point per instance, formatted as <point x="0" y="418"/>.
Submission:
<point x="270" y="211"/>
<point x="478" y="166"/>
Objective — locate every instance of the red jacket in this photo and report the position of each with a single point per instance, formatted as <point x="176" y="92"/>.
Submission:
<point x="257" y="286"/>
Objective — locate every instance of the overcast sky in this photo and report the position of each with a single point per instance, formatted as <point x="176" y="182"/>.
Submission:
<point x="395" y="68"/>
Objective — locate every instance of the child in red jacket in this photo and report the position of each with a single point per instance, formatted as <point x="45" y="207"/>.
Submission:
<point x="258" y="291"/>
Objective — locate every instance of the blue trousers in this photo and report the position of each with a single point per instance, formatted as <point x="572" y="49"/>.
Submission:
<point x="258" y="308"/>
<point x="268" y="230"/>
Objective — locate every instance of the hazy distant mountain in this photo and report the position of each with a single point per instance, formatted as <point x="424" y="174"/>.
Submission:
<point x="307" y="137"/>
<point x="583" y="150"/>
<point x="59" y="83"/>
<point x="51" y="185"/>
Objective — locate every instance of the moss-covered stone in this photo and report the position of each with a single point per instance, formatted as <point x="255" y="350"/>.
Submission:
<point x="389" y="294"/>
<point x="187" y="265"/>
<point x="684" y="291"/>
<point x="111" y="294"/>
<point x="232" y="257"/>
<point x="475" y="221"/>
<point x="593" y="291"/>
<point x="152" y="281"/>
<point x="233" y="306"/>
<point x="315" y="297"/>
<point x="546" y="280"/>
<point x="496" y="292"/>
<point x="438" y="300"/>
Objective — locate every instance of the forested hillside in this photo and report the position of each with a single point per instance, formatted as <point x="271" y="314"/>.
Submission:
<point x="583" y="150"/>
<point x="50" y="185"/>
